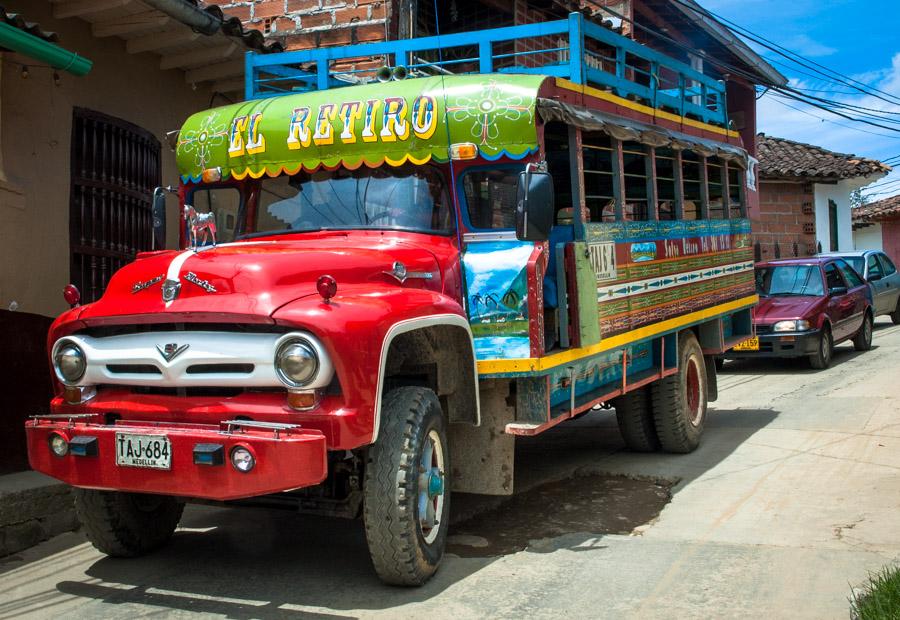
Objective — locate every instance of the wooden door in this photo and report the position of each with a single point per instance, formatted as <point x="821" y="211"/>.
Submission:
<point x="115" y="166"/>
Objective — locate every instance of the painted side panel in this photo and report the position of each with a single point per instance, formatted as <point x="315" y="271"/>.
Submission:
<point x="497" y="298"/>
<point x="662" y="270"/>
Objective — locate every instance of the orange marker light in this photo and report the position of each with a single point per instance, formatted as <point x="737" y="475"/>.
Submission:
<point x="212" y="175"/>
<point x="303" y="400"/>
<point x="463" y="151"/>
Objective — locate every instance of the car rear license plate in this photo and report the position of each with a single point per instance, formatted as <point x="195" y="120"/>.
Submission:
<point x="153" y="451"/>
<point x="748" y="345"/>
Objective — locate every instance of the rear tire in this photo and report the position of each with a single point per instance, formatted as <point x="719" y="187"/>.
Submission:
<point x="127" y="525"/>
<point x="821" y="359"/>
<point x="680" y="400"/>
<point x="862" y="341"/>
<point x="895" y="315"/>
<point x="635" y="417"/>
<point x="407" y="504"/>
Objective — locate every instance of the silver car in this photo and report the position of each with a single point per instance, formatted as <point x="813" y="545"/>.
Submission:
<point x="881" y="274"/>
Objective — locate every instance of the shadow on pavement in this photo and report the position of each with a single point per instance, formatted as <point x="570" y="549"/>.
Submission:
<point x="844" y="353"/>
<point x="258" y="563"/>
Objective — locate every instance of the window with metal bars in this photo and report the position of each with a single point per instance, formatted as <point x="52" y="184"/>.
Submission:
<point x="114" y="167"/>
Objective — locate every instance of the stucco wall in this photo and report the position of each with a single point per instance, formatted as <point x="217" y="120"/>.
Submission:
<point x="35" y="128"/>
<point x="868" y="238"/>
<point x="840" y="194"/>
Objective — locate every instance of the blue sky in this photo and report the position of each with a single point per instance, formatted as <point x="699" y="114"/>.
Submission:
<point x="859" y="38"/>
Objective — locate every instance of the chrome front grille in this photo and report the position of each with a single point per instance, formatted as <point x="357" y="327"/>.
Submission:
<point x="180" y="359"/>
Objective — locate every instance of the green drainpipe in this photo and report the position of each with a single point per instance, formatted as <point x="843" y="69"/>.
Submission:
<point x="29" y="45"/>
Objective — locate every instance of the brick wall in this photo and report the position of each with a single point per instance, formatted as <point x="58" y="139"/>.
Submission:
<point x="304" y="24"/>
<point x="785" y="224"/>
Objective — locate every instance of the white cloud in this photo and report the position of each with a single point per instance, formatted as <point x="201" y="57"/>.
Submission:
<point x="816" y="126"/>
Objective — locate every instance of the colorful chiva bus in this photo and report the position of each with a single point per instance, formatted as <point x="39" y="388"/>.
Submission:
<point x="374" y="241"/>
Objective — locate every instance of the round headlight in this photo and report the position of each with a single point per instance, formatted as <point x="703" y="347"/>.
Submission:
<point x="242" y="459"/>
<point x="70" y="362"/>
<point x="58" y="444"/>
<point x="296" y="363"/>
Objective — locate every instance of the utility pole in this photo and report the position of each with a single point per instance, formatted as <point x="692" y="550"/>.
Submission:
<point x="407" y="18"/>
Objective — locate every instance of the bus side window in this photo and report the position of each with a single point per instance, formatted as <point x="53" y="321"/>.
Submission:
<point x="665" y="183"/>
<point x="598" y="150"/>
<point x="715" y="173"/>
<point x="635" y="169"/>
<point x="736" y="203"/>
<point x="556" y="149"/>
<point x="693" y="194"/>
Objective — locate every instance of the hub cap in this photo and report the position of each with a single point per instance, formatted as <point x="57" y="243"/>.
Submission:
<point x="692" y="392"/>
<point x="431" y="487"/>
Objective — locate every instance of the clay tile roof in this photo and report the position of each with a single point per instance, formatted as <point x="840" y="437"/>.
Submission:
<point x="781" y="158"/>
<point x="232" y="26"/>
<point x="17" y="21"/>
<point x="876" y="210"/>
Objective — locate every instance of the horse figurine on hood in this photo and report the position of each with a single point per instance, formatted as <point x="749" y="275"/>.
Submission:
<point x="200" y="223"/>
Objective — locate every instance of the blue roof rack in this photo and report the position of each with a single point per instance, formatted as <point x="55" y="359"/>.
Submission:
<point x="574" y="48"/>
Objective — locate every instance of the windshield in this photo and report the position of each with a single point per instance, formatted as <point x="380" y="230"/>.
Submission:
<point x="785" y="280"/>
<point x="406" y="198"/>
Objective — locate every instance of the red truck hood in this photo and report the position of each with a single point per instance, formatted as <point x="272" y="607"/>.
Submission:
<point x="257" y="277"/>
<point x="772" y="309"/>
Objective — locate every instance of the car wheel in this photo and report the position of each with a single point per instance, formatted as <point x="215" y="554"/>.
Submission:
<point x="634" y="415"/>
<point x="821" y="359"/>
<point x="895" y="315"/>
<point x="679" y="401"/>
<point x="407" y="495"/>
<point x="863" y="339"/>
<point x="127" y="525"/>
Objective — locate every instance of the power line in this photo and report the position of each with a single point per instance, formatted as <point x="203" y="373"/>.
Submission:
<point x="826" y="120"/>
<point x="793" y="56"/>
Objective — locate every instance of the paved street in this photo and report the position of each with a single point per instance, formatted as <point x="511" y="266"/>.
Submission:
<point x="792" y="497"/>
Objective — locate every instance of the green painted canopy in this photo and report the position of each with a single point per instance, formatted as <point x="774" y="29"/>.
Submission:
<point x="374" y="124"/>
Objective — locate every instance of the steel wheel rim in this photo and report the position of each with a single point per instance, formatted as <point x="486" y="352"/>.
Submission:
<point x="867" y="330"/>
<point x="826" y="346"/>
<point x="692" y="392"/>
<point x="431" y="486"/>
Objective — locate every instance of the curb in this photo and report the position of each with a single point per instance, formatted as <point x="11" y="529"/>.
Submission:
<point x="33" y="508"/>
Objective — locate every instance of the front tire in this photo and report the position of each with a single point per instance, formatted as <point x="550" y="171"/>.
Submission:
<point x="863" y="339"/>
<point x="127" y="525"/>
<point x="407" y="496"/>
<point x="635" y="417"/>
<point x="680" y="400"/>
<point x="821" y="359"/>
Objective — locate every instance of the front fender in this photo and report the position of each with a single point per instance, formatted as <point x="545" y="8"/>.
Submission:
<point x="356" y="327"/>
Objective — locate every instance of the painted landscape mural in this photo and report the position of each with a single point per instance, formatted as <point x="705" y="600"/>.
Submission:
<point x="497" y="296"/>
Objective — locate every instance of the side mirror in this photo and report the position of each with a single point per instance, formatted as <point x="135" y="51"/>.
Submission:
<point x="837" y="291"/>
<point x="158" y="213"/>
<point x="534" y="206"/>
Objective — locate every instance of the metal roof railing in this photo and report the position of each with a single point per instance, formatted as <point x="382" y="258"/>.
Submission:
<point x="574" y="48"/>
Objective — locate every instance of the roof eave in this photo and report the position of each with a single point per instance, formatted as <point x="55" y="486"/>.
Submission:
<point x="769" y="74"/>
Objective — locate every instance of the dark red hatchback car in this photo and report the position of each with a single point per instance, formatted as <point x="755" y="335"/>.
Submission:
<point x="806" y="306"/>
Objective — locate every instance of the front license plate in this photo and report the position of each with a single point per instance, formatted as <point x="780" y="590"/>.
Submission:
<point x="153" y="451"/>
<point x="748" y="345"/>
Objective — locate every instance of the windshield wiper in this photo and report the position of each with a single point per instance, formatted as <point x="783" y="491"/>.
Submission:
<point x="285" y="231"/>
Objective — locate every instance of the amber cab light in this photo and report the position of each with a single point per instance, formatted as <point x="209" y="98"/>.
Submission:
<point x="302" y="400"/>
<point x="71" y="295"/>
<point x="327" y="287"/>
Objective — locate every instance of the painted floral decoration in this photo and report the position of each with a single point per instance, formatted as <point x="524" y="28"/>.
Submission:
<point x="492" y="104"/>
<point x="202" y="140"/>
